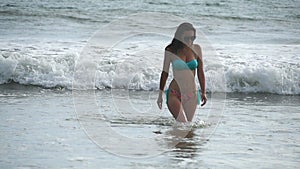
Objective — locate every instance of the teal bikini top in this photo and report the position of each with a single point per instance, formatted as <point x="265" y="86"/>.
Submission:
<point x="179" y="64"/>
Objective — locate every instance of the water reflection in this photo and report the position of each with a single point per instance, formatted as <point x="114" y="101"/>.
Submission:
<point x="187" y="147"/>
<point x="186" y="143"/>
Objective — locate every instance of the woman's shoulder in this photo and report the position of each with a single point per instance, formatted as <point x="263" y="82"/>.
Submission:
<point x="168" y="48"/>
<point x="197" y="49"/>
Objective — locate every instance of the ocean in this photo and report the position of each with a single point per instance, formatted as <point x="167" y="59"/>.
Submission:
<point x="79" y="82"/>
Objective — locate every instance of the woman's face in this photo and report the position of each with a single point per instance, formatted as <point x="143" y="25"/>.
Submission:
<point x="188" y="37"/>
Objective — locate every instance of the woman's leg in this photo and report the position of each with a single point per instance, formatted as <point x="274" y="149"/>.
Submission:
<point x="189" y="106"/>
<point x="174" y="105"/>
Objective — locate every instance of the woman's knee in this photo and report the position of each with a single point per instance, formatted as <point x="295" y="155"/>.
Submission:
<point x="190" y="110"/>
<point x="190" y="114"/>
<point x="174" y="105"/>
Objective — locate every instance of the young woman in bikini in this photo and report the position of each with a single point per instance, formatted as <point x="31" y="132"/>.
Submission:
<point x="186" y="58"/>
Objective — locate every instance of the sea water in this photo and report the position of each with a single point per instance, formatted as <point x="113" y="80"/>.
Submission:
<point x="42" y="128"/>
<point x="49" y="49"/>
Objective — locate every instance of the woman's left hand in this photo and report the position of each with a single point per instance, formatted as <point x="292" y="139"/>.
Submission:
<point x="203" y="99"/>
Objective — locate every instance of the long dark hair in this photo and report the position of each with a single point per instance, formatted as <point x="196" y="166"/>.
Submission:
<point x="177" y="42"/>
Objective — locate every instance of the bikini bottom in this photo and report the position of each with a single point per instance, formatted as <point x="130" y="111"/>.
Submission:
<point x="180" y="96"/>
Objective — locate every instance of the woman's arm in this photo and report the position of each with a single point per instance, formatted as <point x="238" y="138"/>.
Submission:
<point x="200" y="74"/>
<point x="163" y="77"/>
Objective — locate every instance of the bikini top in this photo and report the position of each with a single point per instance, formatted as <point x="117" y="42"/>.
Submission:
<point x="179" y="64"/>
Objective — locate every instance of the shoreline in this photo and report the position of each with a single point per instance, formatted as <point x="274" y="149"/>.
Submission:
<point x="18" y="86"/>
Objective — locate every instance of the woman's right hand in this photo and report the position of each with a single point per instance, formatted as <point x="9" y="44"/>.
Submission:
<point x="159" y="101"/>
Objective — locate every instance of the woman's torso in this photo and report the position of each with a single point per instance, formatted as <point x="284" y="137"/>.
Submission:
<point x="184" y="69"/>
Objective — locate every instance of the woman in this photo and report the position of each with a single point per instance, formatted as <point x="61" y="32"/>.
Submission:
<point x="186" y="58"/>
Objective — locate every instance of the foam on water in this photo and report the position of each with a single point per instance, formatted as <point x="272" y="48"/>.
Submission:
<point x="37" y="65"/>
<point x="250" y="70"/>
<point x="262" y="68"/>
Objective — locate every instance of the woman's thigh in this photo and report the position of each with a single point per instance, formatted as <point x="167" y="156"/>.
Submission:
<point x="189" y="107"/>
<point x="174" y="105"/>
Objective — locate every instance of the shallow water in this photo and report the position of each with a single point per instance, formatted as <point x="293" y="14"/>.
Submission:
<point x="250" y="49"/>
<point x="40" y="128"/>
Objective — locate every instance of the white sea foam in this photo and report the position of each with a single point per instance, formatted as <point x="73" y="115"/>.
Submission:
<point x="262" y="68"/>
<point x="125" y="68"/>
<point x="33" y="65"/>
